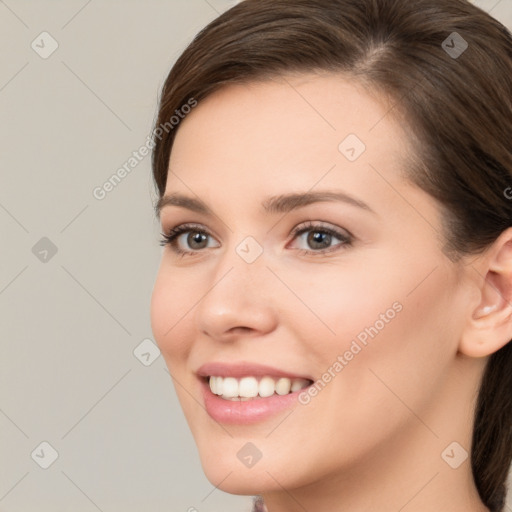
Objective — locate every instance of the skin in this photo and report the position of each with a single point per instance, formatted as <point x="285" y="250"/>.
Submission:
<point x="373" y="437"/>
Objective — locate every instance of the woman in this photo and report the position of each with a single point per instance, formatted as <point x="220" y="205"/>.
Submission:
<point x="334" y="299"/>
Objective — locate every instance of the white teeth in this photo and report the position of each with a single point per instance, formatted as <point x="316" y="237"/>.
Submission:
<point x="298" y="384"/>
<point x="267" y="387"/>
<point x="249" y="387"/>
<point x="213" y="387"/>
<point x="283" y="386"/>
<point x="229" y="387"/>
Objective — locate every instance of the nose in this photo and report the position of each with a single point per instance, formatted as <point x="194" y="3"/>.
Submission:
<point x="238" y="300"/>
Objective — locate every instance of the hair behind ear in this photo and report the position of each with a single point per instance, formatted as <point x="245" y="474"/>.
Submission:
<point x="491" y="448"/>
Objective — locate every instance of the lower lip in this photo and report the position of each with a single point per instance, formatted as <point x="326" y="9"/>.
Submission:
<point x="245" y="412"/>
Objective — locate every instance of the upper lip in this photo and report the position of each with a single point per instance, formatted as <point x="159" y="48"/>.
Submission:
<point x="245" y="369"/>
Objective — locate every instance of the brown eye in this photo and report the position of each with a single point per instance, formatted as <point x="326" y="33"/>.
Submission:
<point x="196" y="239"/>
<point x="318" y="239"/>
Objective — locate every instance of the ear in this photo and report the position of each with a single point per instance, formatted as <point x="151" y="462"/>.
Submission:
<point x="489" y="326"/>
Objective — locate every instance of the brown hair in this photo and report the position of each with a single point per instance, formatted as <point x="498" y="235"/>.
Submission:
<point x="456" y="104"/>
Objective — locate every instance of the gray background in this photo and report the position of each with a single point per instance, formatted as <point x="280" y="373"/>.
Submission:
<point x="70" y="321"/>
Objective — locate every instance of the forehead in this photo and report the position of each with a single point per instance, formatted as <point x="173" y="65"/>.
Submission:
<point x="286" y="131"/>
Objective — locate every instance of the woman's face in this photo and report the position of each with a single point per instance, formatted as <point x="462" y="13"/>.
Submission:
<point x="370" y="310"/>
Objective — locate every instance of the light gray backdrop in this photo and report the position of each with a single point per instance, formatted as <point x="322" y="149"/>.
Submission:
<point x="88" y="416"/>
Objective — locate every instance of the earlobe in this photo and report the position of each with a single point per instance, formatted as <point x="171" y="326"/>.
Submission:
<point x="489" y="326"/>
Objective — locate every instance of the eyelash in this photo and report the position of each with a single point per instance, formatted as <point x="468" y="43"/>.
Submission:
<point x="170" y="238"/>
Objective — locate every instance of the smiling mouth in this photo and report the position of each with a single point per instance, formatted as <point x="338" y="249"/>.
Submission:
<point x="254" y="387"/>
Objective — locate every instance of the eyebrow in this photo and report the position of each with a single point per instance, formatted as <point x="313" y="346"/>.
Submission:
<point x="276" y="204"/>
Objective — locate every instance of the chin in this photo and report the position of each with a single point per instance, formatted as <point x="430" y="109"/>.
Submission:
<point x="240" y="480"/>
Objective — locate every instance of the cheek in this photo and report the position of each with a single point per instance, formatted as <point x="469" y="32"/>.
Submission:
<point x="168" y="309"/>
<point x="160" y="309"/>
<point x="397" y="325"/>
<point x="339" y="305"/>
